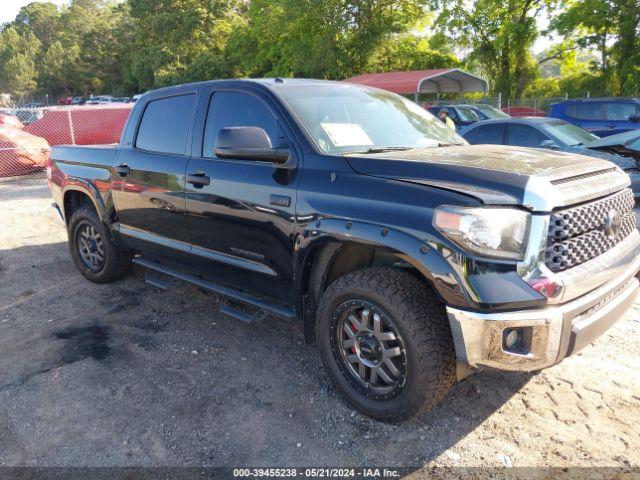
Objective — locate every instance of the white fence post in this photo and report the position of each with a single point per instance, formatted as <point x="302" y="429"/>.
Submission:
<point x="72" y="133"/>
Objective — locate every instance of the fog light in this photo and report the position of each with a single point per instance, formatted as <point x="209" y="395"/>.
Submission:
<point x="511" y="337"/>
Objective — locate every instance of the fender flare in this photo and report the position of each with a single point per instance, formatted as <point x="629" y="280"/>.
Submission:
<point x="90" y="190"/>
<point x="425" y="257"/>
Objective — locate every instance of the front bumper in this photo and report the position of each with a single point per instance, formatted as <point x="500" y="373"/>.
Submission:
<point x="550" y="334"/>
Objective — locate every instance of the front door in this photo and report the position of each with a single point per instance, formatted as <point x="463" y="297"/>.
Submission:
<point x="240" y="212"/>
<point x="148" y="180"/>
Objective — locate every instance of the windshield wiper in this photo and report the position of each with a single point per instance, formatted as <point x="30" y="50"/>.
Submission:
<point x="381" y="150"/>
<point x="449" y="144"/>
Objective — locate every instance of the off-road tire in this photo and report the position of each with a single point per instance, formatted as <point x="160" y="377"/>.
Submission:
<point x="117" y="260"/>
<point x="421" y="321"/>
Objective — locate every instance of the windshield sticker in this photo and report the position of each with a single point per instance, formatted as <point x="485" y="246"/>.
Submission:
<point x="346" y="134"/>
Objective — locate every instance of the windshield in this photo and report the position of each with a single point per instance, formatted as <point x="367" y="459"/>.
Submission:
<point x="466" y="114"/>
<point x="491" y="112"/>
<point x="344" y="118"/>
<point x="568" y="134"/>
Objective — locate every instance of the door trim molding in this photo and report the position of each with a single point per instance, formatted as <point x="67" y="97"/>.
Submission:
<point x="214" y="255"/>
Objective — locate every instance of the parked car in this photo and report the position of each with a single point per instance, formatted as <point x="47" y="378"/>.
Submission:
<point x="21" y="152"/>
<point x="99" y="99"/>
<point x="409" y="256"/>
<point x="601" y="116"/>
<point x="121" y="99"/>
<point x="34" y="105"/>
<point x="28" y="115"/>
<point x="465" y="115"/>
<point x="9" y="120"/>
<point x="65" y="100"/>
<point x="78" y="101"/>
<point x="523" y="111"/>
<point x="550" y="133"/>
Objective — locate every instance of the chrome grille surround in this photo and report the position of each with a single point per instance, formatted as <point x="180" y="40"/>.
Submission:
<point x="577" y="234"/>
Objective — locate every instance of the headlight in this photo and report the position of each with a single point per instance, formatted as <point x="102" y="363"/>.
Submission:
<point x="490" y="232"/>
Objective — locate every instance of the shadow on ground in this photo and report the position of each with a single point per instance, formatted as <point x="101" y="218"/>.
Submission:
<point x="124" y="374"/>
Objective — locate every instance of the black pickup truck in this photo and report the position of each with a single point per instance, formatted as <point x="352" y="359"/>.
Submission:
<point x="412" y="257"/>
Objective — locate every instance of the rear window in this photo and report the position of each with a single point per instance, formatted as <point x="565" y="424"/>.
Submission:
<point x="586" y="111"/>
<point x="621" y="111"/>
<point x="490" y="134"/>
<point x="165" y="125"/>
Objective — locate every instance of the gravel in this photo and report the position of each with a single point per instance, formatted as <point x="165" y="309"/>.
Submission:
<point x="127" y="375"/>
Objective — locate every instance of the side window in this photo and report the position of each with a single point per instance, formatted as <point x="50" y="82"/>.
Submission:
<point x="524" y="136"/>
<point x="490" y="134"/>
<point x="165" y="125"/>
<point x="586" y="111"/>
<point x="233" y="109"/>
<point x="620" y="111"/>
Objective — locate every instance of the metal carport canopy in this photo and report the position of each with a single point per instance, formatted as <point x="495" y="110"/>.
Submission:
<point x="445" y="80"/>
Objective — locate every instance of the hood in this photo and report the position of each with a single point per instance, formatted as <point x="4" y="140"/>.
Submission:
<point x="622" y="162"/>
<point x="614" y="140"/>
<point x="499" y="175"/>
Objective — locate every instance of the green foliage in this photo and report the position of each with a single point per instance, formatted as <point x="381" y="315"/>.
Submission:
<point x="124" y="47"/>
<point x="499" y="35"/>
<point x="181" y="40"/>
<point x="408" y="52"/>
<point x="612" y="27"/>
<point x="17" y="61"/>
<point x="319" y="38"/>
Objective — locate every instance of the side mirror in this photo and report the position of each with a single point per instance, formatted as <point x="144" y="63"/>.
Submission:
<point x="634" y="118"/>
<point x="250" y="143"/>
<point x="548" y="144"/>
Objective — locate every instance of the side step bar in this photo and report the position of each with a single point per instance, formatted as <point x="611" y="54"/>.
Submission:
<point x="224" y="291"/>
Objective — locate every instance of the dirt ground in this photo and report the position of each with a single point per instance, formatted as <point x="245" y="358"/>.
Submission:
<point x="124" y="374"/>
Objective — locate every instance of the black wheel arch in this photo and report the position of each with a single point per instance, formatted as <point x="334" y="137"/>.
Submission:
<point x="333" y="254"/>
<point x="83" y="194"/>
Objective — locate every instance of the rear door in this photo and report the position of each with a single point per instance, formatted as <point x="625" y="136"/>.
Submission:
<point x="491" y="134"/>
<point x="242" y="218"/>
<point x="149" y="179"/>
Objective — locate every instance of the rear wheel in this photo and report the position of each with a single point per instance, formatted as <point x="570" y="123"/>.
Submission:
<point x="385" y="340"/>
<point x="95" y="254"/>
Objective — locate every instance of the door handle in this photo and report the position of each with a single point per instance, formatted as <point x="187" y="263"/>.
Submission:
<point x="279" y="200"/>
<point x="122" y="170"/>
<point x="198" y="179"/>
<point x="611" y="126"/>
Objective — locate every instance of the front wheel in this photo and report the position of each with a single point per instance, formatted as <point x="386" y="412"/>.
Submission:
<point x="385" y="340"/>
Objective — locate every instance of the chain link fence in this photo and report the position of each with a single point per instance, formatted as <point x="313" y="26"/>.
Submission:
<point x="27" y="134"/>
<point x="530" y="107"/>
<point x="464" y="100"/>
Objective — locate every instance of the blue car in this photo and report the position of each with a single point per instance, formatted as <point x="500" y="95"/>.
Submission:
<point x="601" y="116"/>
<point x="465" y="115"/>
<point x="553" y="134"/>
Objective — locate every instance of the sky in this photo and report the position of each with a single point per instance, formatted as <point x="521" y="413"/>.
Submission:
<point x="9" y="9"/>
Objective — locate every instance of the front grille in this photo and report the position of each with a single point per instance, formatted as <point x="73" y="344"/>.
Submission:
<point x="579" y="234"/>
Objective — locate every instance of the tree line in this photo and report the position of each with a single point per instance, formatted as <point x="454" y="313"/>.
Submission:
<point x="126" y="47"/>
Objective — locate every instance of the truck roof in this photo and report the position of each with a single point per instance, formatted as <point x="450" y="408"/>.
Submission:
<point x="276" y="82"/>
